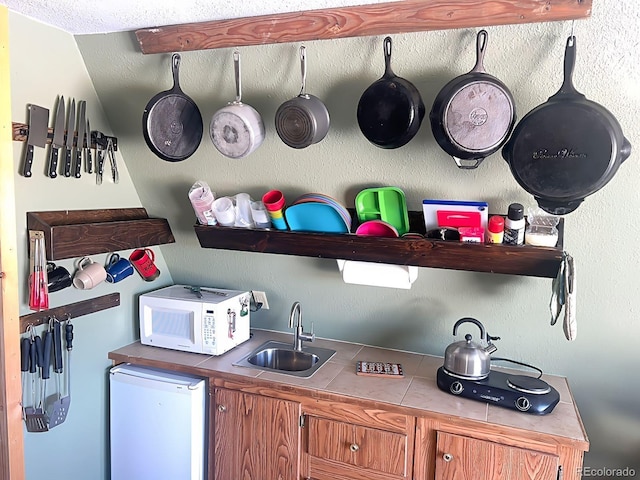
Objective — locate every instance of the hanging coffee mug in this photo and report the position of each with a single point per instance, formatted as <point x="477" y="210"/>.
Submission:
<point x="143" y="261"/>
<point x="58" y="277"/>
<point x="118" y="268"/>
<point x="89" y="274"/>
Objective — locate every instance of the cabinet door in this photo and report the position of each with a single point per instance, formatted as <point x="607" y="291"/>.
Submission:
<point x="255" y="437"/>
<point x="464" y="458"/>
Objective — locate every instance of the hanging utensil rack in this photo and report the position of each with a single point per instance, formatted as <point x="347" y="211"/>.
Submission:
<point x="73" y="310"/>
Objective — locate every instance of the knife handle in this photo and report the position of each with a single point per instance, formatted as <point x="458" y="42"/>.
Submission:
<point x="28" y="161"/>
<point x="53" y="162"/>
<point x="78" y="165"/>
<point x="67" y="162"/>
<point x="89" y="161"/>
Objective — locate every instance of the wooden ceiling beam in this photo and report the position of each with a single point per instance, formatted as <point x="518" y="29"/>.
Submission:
<point x="366" y="20"/>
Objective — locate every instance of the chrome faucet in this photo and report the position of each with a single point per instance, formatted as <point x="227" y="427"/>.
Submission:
<point x="299" y="334"/>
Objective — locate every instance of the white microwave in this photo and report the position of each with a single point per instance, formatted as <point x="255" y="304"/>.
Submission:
<point x="206" y="320"/>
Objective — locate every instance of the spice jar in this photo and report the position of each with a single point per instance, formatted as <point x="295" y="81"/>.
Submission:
<point x="495" y="229"/>
<point x="514" y="225"/>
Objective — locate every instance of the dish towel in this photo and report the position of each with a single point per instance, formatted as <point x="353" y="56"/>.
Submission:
<point x="563" y="297"/>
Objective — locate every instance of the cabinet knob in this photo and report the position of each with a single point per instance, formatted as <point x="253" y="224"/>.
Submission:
<point x="222" y="408"/>
<point x="354" y="447"/>
<point x="447" y="457"/>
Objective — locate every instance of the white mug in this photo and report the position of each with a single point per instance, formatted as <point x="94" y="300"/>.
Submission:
<point x="89" y="274"/>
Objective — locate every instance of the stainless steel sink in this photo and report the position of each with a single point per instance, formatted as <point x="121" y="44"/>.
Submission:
<point x="282" y="358"/>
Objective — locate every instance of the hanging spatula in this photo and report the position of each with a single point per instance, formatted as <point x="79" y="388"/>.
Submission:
<point x="60" y="407"/>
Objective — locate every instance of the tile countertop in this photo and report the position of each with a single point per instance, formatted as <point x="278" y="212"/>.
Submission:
<point x="416" y="390"/>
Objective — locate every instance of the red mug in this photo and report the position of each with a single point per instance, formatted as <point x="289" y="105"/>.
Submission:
<point x="143" y="261"/>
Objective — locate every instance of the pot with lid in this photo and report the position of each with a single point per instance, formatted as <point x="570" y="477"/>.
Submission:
<point x="467" y="359"/>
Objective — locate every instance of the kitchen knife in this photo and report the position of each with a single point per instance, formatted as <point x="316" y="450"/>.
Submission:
<point x="100" y="153"/>
<point x="71" y="120"/>
<point x="89" y="159"/>
<point x="82" y="124"/>
<point x="58" y="139"/>
<point x="38" y="121"/>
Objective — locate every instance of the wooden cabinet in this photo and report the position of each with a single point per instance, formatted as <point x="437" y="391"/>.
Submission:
<point x="264" y="429"/>
<point x="253" y="437"/>
<point x="464" y="458"/>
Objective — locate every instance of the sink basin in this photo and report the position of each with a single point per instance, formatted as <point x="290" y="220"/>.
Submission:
<point x="281" y="357"/>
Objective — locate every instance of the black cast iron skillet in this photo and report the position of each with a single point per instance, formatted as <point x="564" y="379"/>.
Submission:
<point x="567" y="148"/>
<point x="473" y="115"/>
<point x="390" y="110"/>
<point x="171" y="122"/>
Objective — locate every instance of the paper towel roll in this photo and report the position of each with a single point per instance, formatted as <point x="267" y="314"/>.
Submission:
<point x="378" y="274"/>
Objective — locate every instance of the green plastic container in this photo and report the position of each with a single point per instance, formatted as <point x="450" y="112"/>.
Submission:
<point x="383" y="203"/>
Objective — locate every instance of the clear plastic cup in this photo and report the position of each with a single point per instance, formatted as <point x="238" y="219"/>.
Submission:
<point x="244" y="217"/>
<point x="225" y="211"/>
<point x="260" y="215"/>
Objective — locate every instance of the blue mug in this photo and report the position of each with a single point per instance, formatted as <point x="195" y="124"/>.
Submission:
<point x="118" y="268"/>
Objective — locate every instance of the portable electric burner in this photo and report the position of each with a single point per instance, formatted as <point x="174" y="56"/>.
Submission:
<point x="467" y="372"/>
<point x="518" y="392"/>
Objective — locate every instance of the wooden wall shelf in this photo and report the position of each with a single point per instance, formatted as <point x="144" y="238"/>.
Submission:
<point x="365" y="20"/>
<point x="76" y="233"/>
<point x="513" y="260"/>
<point x="74" y="310"/>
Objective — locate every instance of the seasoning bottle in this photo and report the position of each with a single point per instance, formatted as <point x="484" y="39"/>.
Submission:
<point x="514" y="225"/>
<point x="495" y="229"/>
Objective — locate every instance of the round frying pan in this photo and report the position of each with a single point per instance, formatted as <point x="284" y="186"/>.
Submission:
<point x="390" y="110"/>
<point x="473" y="114"/>
<point x="302" y="120"/>
<point x="567" y="148"/>
<point x="171" y="122"/>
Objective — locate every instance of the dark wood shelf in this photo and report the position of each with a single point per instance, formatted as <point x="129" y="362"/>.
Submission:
<point x="73" y="310"/>
<point x="76" y="233"/>
<point x="507" y="259"/>
<point x="361" y="20"/>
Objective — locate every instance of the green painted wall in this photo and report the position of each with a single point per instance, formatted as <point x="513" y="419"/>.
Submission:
<point x="602" y="234"/>
<point x="46" y="62"/>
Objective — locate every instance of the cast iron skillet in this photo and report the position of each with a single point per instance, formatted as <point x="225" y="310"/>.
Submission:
<point x="390" y="110"/>
<point x="171" y="122"/>
<point x="473" y="115"/>
<point x="567" y="148"/>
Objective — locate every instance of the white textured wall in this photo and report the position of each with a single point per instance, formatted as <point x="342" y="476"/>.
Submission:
<point x="46" y="62"/>
<point x="602" y="234"/>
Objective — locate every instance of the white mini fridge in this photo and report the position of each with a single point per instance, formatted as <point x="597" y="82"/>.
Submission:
<point x="158" y="424"/>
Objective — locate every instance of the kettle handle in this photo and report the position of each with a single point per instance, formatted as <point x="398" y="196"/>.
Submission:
<point x="469" y="320"/>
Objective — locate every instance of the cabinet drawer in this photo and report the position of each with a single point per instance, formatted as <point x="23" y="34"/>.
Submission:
<point x="367" y="448"/>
